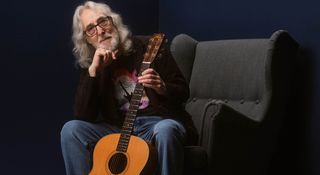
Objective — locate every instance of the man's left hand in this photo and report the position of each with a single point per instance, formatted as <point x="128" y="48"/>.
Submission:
<point x="151" y="79"/>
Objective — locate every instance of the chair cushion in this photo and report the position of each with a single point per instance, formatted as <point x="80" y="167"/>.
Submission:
<point x="195" y="160"/>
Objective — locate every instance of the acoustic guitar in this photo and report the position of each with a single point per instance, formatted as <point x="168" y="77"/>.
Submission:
<point x="124" y="153"/>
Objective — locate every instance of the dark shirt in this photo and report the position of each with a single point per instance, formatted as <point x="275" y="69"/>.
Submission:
<point x="97" y="98"/>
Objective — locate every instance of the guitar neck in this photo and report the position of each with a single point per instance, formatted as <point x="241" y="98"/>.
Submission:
<point x="127" y="128"/>
<point x="131" y="115"/>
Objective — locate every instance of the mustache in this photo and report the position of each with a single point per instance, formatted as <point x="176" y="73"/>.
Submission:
<point x="107" y="36"/>
<point x="115" y="40"/>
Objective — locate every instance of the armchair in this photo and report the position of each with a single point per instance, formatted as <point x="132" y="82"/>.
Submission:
<point x="239" y="91"/>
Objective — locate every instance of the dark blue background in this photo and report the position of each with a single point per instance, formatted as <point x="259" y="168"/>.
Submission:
<point x="39" y="77"/>
<point x="299" y="149"/>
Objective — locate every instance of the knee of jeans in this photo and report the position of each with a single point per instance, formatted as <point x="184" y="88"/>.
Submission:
<point x="70" y="129"/>
<point x="169" y="127"/>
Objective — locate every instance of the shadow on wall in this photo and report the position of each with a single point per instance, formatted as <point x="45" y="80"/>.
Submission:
<point x="291" y="155"/>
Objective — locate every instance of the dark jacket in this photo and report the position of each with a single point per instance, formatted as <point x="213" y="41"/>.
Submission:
<point x="94" y="99"/>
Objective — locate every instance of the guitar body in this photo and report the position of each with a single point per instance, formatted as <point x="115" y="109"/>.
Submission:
<point x="140" y="157"/>
<point x="123" y="153"/>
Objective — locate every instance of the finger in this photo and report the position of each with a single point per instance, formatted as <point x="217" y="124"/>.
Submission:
<point x="147" y="85"/>
<point x="100" y="53"/>
<point x="149" y="81"/>
<point x="150" y="71"/>
<point x="107" y="55"/>
<point x="153" y="86"/>
<point x="114" y="54"/>
<point x="98" y="59"/>
<point x="149" y="76"/>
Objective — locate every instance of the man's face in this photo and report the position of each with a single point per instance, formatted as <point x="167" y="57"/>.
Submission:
<point x="99" y="30"/>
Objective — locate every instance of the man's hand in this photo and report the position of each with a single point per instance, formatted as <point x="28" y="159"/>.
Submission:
<point x="102" y="57"/>
<point x="151" y="79"/>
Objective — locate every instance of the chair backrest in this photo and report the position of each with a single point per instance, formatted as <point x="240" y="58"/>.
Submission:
<point x="245" y="74"/>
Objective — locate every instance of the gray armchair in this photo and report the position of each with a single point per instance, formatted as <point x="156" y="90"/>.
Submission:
<point x="239" y="91"/>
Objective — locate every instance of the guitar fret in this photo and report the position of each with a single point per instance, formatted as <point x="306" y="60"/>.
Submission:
<point x="124" y="142"/>
<point x="126" y="132"/>
<point x="132" y="112"/>
<point x="131" y="105"/>
<point x="131" y="120"/>
<point x="123" y="145"/>
<point x="139" y="88"/>
<point x="131" y="115"/>
<point x="134" y="106"/>
<point x="136" y="96"/>
<point x="128" y="124"/>
<point x="120" y="148"/>
<point x="127" y="128"/>
<point x="124" y="136"/>
<point x="135" y="102"/>
<point x="138" y="91"/>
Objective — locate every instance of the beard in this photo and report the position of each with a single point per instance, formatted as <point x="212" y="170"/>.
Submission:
<point x="113" y="44"/>
<point x="115" y="41"/>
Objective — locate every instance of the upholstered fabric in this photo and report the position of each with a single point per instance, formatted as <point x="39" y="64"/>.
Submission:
<point x="238" y="96"/>
<point x="196" y="160"/>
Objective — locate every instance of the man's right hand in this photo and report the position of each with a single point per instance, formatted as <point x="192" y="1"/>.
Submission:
<point x="102" y="57"/>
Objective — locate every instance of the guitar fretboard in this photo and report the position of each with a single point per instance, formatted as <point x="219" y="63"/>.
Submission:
<point x="128" y="123"/>
<point x="127" y="128"/>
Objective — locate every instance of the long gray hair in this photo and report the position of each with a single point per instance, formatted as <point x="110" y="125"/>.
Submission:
<point x="82" y="50"/>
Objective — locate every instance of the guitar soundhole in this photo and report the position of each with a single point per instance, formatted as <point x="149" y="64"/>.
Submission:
<point x="117" y="163"/>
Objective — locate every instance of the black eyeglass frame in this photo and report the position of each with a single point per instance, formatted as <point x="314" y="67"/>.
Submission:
<point x="100" y="22"/>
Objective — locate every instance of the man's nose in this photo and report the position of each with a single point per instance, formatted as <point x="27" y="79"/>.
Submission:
<point x="100" y="30"/>
<point x="104" y="30"/>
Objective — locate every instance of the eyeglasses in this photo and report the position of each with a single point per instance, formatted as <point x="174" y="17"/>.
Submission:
<point x="103" y="22"/>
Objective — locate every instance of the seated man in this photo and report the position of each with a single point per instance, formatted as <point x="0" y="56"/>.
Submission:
<point x="109" y="58"/>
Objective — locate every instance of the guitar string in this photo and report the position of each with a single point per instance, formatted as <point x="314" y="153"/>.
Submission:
<point x="115" y="163"/>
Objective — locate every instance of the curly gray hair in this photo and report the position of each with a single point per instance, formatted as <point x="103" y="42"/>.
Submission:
<point x="82" y="50"/>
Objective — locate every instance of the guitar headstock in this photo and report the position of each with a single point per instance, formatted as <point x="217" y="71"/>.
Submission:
<point x="155" y="42"/>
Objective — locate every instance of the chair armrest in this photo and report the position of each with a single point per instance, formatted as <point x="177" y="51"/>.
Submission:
<point x="218" y="115"/>
<point x="228" y="116"/>
<point x="232" y="141"/>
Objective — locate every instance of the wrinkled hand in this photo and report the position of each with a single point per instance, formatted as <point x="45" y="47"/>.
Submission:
<point x="102" y="57"/>
<point x="151" y="79"/>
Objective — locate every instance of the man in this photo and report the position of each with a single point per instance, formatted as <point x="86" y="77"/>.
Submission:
<point x="109" y="59"/>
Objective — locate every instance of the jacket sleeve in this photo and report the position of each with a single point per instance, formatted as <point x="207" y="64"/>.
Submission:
<point x="176" y="85"/>
<point x="86" y="104"/>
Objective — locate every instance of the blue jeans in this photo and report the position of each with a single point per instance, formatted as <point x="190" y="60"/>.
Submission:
<point x="78" y="139"/>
